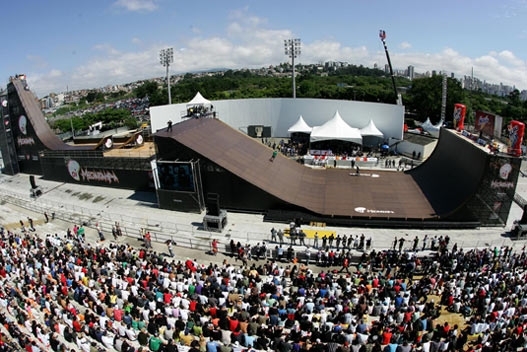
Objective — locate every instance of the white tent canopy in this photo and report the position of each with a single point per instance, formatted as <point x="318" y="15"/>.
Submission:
<point x="300" y="126"/>
<point x="431" y="128"/>
<point x="371" y="130"/>
<point x="199" y="100"/>
<point x="336" y="129"/>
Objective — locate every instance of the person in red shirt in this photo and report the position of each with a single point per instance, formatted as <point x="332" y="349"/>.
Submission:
<point x="167" y="297"/>
<point x="214" y="246"/>
<point x="192" y="305"/>
<point x="386" y="337"/>
<point x="118" y="314"/>
<point x="233" y="323"/>
<point x="76" y="325"/>
<point x="148" y="240"/>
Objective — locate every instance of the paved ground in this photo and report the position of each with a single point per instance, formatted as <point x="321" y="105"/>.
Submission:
<point x="135" y="210"/>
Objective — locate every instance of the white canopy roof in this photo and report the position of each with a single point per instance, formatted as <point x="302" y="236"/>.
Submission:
<point x="431" y="128"/>
<point x="336" y="129"/>
<point x="300" y="126"/>
<point x="199" y="100"/>
<point x="371" y="130"/>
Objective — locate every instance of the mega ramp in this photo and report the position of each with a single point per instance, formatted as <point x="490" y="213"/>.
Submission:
<point x="35" y="118"/>
<point x="460" y="185"/>
<point x="327" y="192"/>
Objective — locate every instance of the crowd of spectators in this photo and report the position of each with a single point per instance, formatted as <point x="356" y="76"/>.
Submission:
<point x="63" y="293"/>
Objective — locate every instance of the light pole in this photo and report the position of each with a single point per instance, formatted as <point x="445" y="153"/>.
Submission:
<point x="166" y="57"/>
<point x="292" y="49"/>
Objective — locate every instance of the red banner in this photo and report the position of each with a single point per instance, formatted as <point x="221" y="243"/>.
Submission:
<point x="485" y="123"/>
<point x="516" y="131"/>
<point x="459" y="116"/>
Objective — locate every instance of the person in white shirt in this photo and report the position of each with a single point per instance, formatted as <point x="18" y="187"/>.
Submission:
<point x="107" y="339"/>
<point x="82" y="343"/>
<point x="131" y="334"/>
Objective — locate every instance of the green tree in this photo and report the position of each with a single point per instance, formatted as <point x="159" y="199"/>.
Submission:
<point x="424" y="97"/>
<point x="147" y="89"/>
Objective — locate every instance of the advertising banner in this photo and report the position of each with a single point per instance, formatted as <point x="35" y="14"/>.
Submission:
<point x="516" y="131"/>
<point x="459" y="116"/>
<point x="485" y="123"/>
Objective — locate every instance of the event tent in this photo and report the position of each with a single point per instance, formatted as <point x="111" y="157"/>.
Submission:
<point x="336" y="129"/>
<point x="371" y="130"/>
<point x="300" y="126"/>
<point x="199" y="100"/>
<point x="431" y="128"/>
<point x="371" y="134"/>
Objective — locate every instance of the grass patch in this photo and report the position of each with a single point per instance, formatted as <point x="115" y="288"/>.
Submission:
<point x="68" y="191"/>
<point x="76" y="194"/>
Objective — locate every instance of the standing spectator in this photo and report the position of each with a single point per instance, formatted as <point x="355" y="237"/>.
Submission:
<point x="273" y="234"/>
<point x="46" y="216"/>
<point x="234" y="250"/>
<point x="169" y="247"/>
<point x="425" y="240"/>
<point x="416" y="243"/>
<point x="401" y="244"/>
<point x="214" y="246"/>
<point x="169" y="126"/>
<point x="99" y="232"/>
<point x="315" y="240"/>
<point x="302" y="236"/>
<point x="281" y="236"/>
<point x="31" y="228"/>
<point x="368" y="243"/>
<point x="148" y="239"/>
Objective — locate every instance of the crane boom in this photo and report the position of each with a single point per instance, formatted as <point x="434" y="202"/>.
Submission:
<point x="382" y="35"/>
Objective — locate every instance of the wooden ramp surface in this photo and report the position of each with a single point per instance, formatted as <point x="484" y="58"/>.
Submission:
<point x="330" y="192"/>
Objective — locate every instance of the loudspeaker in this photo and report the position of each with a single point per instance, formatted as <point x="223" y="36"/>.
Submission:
<point x="266" y="132"/>
<point x="32" y="182"/>
<point x="213" y="204"/>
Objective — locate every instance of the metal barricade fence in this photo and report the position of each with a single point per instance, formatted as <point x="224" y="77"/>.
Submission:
<point x="187" y="235"/>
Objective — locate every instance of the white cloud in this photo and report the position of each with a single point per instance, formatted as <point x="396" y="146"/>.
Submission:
<point x="107" y="48"/>
<point x="55" y="73"/>
<point x="137" y="5"/>
<point x="405" y="45"/>
<point x="249" y="44"/>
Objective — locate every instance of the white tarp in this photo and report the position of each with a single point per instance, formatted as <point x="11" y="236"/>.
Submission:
<point x="336" y="129"/>
<point x="199" y="100"/>
<point x="300" y="126"/>
<point x="371" y="130"/>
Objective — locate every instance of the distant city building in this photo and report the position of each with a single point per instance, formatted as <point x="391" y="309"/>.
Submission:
<point x="411" y="72"/>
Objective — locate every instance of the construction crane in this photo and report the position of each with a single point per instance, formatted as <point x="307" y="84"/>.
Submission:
<point x="382" y="35"/>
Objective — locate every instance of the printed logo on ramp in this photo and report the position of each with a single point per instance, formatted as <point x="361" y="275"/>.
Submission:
<point x="363" y="210"/>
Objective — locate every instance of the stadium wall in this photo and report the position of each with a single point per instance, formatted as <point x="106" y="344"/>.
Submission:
<point x="282" y="113"/>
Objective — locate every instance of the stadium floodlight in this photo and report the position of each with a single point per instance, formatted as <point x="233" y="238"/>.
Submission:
<point x="292" y="48"/>
<point x="166" y="57"/>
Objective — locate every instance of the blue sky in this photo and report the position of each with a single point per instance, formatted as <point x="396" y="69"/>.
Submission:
<point x="64" y="44"/>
